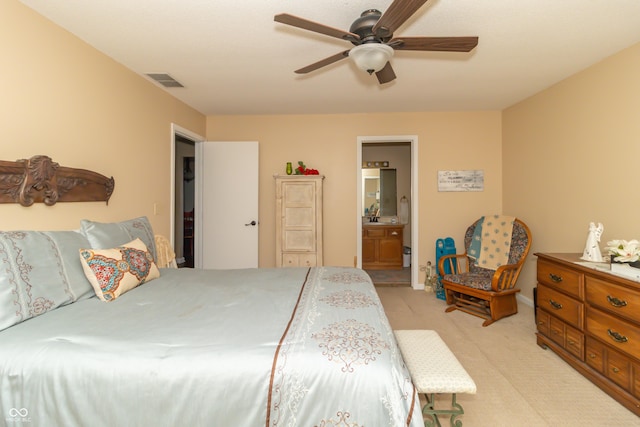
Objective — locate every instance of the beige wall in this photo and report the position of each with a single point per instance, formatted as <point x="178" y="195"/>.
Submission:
<point x="571" y="156"/>
<point x="558" y="160"/>
<point x="460" y="140"/>
<point x="64" y="99"/>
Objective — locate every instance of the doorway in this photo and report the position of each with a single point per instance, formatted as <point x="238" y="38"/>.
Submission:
<point x="399" y="151"/>
<point x="183" y="224"/>
<point x="185" y="245"/>
<point x="186" y="145"/>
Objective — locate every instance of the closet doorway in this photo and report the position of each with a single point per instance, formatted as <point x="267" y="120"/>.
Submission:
<point x="400" y="153"/>
<point x="184" y="174"/>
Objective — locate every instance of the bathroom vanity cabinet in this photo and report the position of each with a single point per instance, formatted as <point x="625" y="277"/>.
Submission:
<point x="382" y="246"/>
<point x="299" y="220"/>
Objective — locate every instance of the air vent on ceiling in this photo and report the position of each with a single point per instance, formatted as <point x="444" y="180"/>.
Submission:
<point x="164" y="79"/>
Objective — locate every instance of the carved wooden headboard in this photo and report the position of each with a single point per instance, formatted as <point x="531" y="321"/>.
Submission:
<point x="41" y="180"/>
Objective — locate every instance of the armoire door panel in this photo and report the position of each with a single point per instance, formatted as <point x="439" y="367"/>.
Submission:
<point x="299" y="217"/>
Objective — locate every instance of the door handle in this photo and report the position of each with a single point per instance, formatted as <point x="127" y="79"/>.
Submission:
<point x="252" y="223"/>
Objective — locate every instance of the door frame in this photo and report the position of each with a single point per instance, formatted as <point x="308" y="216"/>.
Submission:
<point x="413" y="140"/>
<point x="185" y="133"/>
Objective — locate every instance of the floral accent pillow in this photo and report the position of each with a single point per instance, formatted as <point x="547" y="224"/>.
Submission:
<point x="112" y="272"/>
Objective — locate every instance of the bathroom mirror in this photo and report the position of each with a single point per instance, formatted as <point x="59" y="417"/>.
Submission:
<point x="379" y="192"/>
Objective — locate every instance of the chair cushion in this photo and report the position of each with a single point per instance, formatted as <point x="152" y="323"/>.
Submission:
<point x="519" y="241"/>
<point x="479" y="279"/>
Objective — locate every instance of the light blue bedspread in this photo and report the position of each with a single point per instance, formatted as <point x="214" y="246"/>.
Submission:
<point x="255" y="347"/>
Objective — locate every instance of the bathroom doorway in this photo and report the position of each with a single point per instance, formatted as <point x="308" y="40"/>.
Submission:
<point x="384" y="153"/>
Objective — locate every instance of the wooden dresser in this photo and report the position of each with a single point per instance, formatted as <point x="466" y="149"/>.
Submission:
<point x="382" y="246"/>
<point x="591" y="318"/>
<point x="299" y="220"/>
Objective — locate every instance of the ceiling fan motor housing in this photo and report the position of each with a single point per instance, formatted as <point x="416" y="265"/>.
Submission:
<point x="363" y="25"/>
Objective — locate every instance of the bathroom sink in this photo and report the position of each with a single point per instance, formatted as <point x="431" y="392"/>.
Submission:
<point x="377" y="223"/>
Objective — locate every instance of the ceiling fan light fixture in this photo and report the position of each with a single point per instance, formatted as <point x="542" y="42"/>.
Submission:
<point x="371" y="57"/>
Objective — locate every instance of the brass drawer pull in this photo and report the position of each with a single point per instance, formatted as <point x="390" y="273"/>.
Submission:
<point x="592" y="356"/>
<point x="616" y="302"/>
<point x="555" y="277"/>
<point x="617" y="337"/>
<point x="555" y="305"/>
<point x="615" y="370"/>
<point x="394" y="233"/>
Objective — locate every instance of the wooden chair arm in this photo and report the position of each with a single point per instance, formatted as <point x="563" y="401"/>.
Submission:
<point x="458" y="263"/>
<point x="505" y="277"/>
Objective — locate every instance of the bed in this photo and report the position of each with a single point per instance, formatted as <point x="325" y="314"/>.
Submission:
<point x="251" y="347"/>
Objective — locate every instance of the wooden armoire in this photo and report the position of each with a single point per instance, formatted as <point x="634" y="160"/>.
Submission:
<point x="299" y="220"/>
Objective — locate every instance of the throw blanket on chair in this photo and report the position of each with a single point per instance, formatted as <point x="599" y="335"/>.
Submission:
<point x="491" y="242"/>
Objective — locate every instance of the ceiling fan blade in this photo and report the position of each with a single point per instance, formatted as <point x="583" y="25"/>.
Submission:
<point x="442" y="44"/>
<point x="305" y="24"/>
<point x="396" y="15"/>
<point x="324" y="62"/>
<point x="386" y="74"/>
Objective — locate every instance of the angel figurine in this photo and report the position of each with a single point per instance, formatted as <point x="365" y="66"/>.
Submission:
<point x="591" y="249"/>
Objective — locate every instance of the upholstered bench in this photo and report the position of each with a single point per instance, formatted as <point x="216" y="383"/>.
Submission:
<point x="434" y="369"/>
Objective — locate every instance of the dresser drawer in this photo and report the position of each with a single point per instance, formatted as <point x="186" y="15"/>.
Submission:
<point x="635" y="381"/>
<point x="561" y="278"/>
<point x="619" y="369"/>
<point x="542" y="321"/>
<point x="574" y="342"/>
<point x="556" y="330"/>
<point x="561" y="305"/>
<point x="613" y="298"/>
<point x="619" y="334"/>
<point x="569" y="338"/>
<point x="299" y="260"/>
<point x="614" y="365"/>
<point x="595" y="352"/>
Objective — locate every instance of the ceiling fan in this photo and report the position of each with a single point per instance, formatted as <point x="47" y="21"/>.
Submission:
<point x="372" y="35"/>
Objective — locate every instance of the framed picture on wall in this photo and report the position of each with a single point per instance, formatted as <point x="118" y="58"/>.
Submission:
<point x="462" y="180"/>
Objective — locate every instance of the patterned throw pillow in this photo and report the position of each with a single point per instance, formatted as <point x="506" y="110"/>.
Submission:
<point x="112" y="272"/>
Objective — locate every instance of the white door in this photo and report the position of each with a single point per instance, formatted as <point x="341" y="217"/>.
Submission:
<point x="226" y="220"/>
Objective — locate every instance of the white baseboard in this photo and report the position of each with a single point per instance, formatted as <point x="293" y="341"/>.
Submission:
<point x="524" y="300"/>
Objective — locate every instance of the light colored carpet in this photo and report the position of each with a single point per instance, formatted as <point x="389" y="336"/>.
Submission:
<point x="519" y="383"/>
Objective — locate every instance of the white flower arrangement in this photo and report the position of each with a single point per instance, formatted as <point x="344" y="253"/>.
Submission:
<point x="623" y="250"/>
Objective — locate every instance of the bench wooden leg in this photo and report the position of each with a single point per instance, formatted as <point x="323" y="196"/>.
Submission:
<point x="432" y="413"/>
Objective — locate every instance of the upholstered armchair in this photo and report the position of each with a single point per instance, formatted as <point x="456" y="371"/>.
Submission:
<point x="483" y="292"/>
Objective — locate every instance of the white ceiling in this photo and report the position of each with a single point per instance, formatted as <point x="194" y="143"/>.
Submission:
<point x="233" y="58"/>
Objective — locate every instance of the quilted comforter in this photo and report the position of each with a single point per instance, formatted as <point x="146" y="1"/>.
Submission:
<point x="255" y="347"/>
